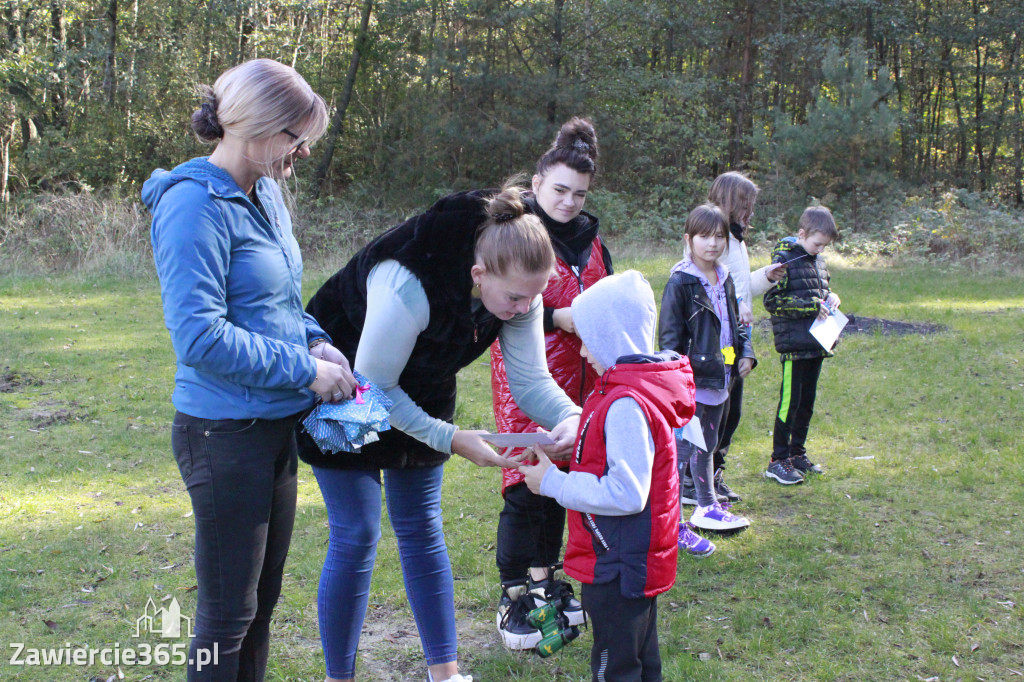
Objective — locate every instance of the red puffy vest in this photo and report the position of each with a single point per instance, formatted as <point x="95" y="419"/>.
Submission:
<point x="640" y="549"/>
<point x="570" y="371"/>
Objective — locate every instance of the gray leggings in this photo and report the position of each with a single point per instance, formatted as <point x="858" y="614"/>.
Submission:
<point x="701" y="462"/>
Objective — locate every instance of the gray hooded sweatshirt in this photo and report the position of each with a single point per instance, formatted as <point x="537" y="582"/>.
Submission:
<point x="616" y="320"/>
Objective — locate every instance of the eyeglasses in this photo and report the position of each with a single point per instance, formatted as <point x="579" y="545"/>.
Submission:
<point x="298" y="147"/>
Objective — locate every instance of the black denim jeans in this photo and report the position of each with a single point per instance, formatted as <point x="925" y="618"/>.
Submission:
<point x="530" y="531"/>
<point x="241" y="476"/>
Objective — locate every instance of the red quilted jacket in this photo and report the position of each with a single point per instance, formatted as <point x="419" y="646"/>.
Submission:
<point x="569" y="370"/>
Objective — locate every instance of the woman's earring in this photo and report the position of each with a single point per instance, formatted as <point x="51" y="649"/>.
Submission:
<point x="475" y="291"/>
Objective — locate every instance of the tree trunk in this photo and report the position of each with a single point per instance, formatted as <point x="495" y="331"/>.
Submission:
<point x="556" y="62"/>
<point x="245" y="28"/>
<point x="979" y="104"/>
<point x="737" y="148"/>
<point x="1018" y="145"/>
<point x="58" y="38"/>
<point x="110" y="69"/>
<point x="208" y="37"/>
<point x="6" y="135"/>
<point x="298" y="39"/>
<point x="1010" y="75"/>
<point x="338" y="123"/>
<point x="130" y="90"/>
<point x="961" y="128"/>
<point x="588" y="37"/>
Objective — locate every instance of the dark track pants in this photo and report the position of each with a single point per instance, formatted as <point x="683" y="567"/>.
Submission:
<point x="625" y="631"/>
<point x="796" y="406"/>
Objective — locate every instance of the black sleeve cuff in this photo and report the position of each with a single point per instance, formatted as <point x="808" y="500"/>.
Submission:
<point x="549" y="319"/>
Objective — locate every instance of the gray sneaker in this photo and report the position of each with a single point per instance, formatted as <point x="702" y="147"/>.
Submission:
<point x="688" y="492"/>
<point x="805" y="466"/>
<point x="723" y="490"/>
<point x="782" y="470"/>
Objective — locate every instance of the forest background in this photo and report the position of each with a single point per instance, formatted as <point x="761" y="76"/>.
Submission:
<point x="905" y="116"/>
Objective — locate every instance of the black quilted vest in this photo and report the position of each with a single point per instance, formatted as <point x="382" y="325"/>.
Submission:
<point x="437" y="247"/>
<point x="806" y="277"/>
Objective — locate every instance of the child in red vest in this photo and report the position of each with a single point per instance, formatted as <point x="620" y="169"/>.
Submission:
<point x="622" y="488"/>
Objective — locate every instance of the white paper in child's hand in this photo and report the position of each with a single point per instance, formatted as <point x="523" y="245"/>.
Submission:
<point x="693" y="433"/>
<point x="517" y="440"/>
<point x="827" y="331"/>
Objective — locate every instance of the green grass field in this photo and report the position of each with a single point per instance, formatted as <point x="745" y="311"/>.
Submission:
<point x="902" y="563"/>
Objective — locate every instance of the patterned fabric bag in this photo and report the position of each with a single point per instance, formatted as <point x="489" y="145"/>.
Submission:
<point x="347" y="426"/>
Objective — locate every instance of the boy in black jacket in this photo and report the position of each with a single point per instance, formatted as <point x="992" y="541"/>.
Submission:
<point x="802" y="295"/>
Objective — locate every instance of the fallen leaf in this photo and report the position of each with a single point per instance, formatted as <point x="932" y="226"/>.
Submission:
<point x="975" y="646"/>
<point x="704" y="656"/>
<point x="767" y="622"/>
<point x="955" y="661"/>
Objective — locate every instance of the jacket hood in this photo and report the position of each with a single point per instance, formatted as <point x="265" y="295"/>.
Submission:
<point x="790" y="246"/>
<point x="664" y="378"/>
<point x="616" y="316"/>
<point x="217" y="180"/>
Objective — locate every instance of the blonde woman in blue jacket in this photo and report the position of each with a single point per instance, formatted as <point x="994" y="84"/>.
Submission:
<point x="249" y="360"/>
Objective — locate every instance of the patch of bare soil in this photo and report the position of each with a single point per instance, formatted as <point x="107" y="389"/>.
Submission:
<point x="871" y="325"/>
<point x="390" y="650"/>
<point x="859" y="324"/>
<point x="42" y="418"/>
<point x="12" y="380"/>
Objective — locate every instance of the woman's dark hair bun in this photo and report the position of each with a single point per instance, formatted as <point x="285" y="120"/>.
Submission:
<point x="578" y="134"/>
<point x="204" y="120"/>
<point x="575" y="146"/>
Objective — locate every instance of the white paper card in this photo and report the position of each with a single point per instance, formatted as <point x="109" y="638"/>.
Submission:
<point x="827" y="330"/>
<point x="693" y="433"/>
<point x="517" y="440"/>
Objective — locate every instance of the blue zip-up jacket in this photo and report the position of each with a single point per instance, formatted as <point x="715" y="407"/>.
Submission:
<point x="230" y="279"/>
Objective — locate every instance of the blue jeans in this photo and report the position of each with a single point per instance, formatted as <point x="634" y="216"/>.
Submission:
<point x="353" y="499"/>
<point x="241" y="476"/>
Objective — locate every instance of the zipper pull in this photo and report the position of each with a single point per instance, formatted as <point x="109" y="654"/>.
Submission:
<point x="475" y="339"/>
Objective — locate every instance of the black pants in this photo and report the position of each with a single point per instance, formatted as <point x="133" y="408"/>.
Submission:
<point x="625" y="635"/>
<point x="796" y="406"/>
<point x="529" y="533"/>
<point x="241" y="476"/>
<point x="730" y="420"/>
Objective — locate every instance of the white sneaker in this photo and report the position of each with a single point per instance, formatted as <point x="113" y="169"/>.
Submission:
<point x="715" y="517"/>
<point x="454" y="678"/>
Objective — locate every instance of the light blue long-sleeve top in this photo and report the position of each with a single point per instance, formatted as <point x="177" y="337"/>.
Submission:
<point x="397" y="311"/>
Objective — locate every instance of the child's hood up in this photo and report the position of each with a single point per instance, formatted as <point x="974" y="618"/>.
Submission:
<point x="616" y="317"/>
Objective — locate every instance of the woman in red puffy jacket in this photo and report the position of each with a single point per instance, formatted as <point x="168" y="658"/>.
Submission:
<point x="530" y="527"/>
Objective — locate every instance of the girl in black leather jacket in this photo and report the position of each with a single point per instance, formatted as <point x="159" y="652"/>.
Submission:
<point x="700" y="319"/>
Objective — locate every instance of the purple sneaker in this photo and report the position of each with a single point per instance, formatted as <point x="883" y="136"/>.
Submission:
<point x="693" y="544"/>
<point x="716" y="517"/>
